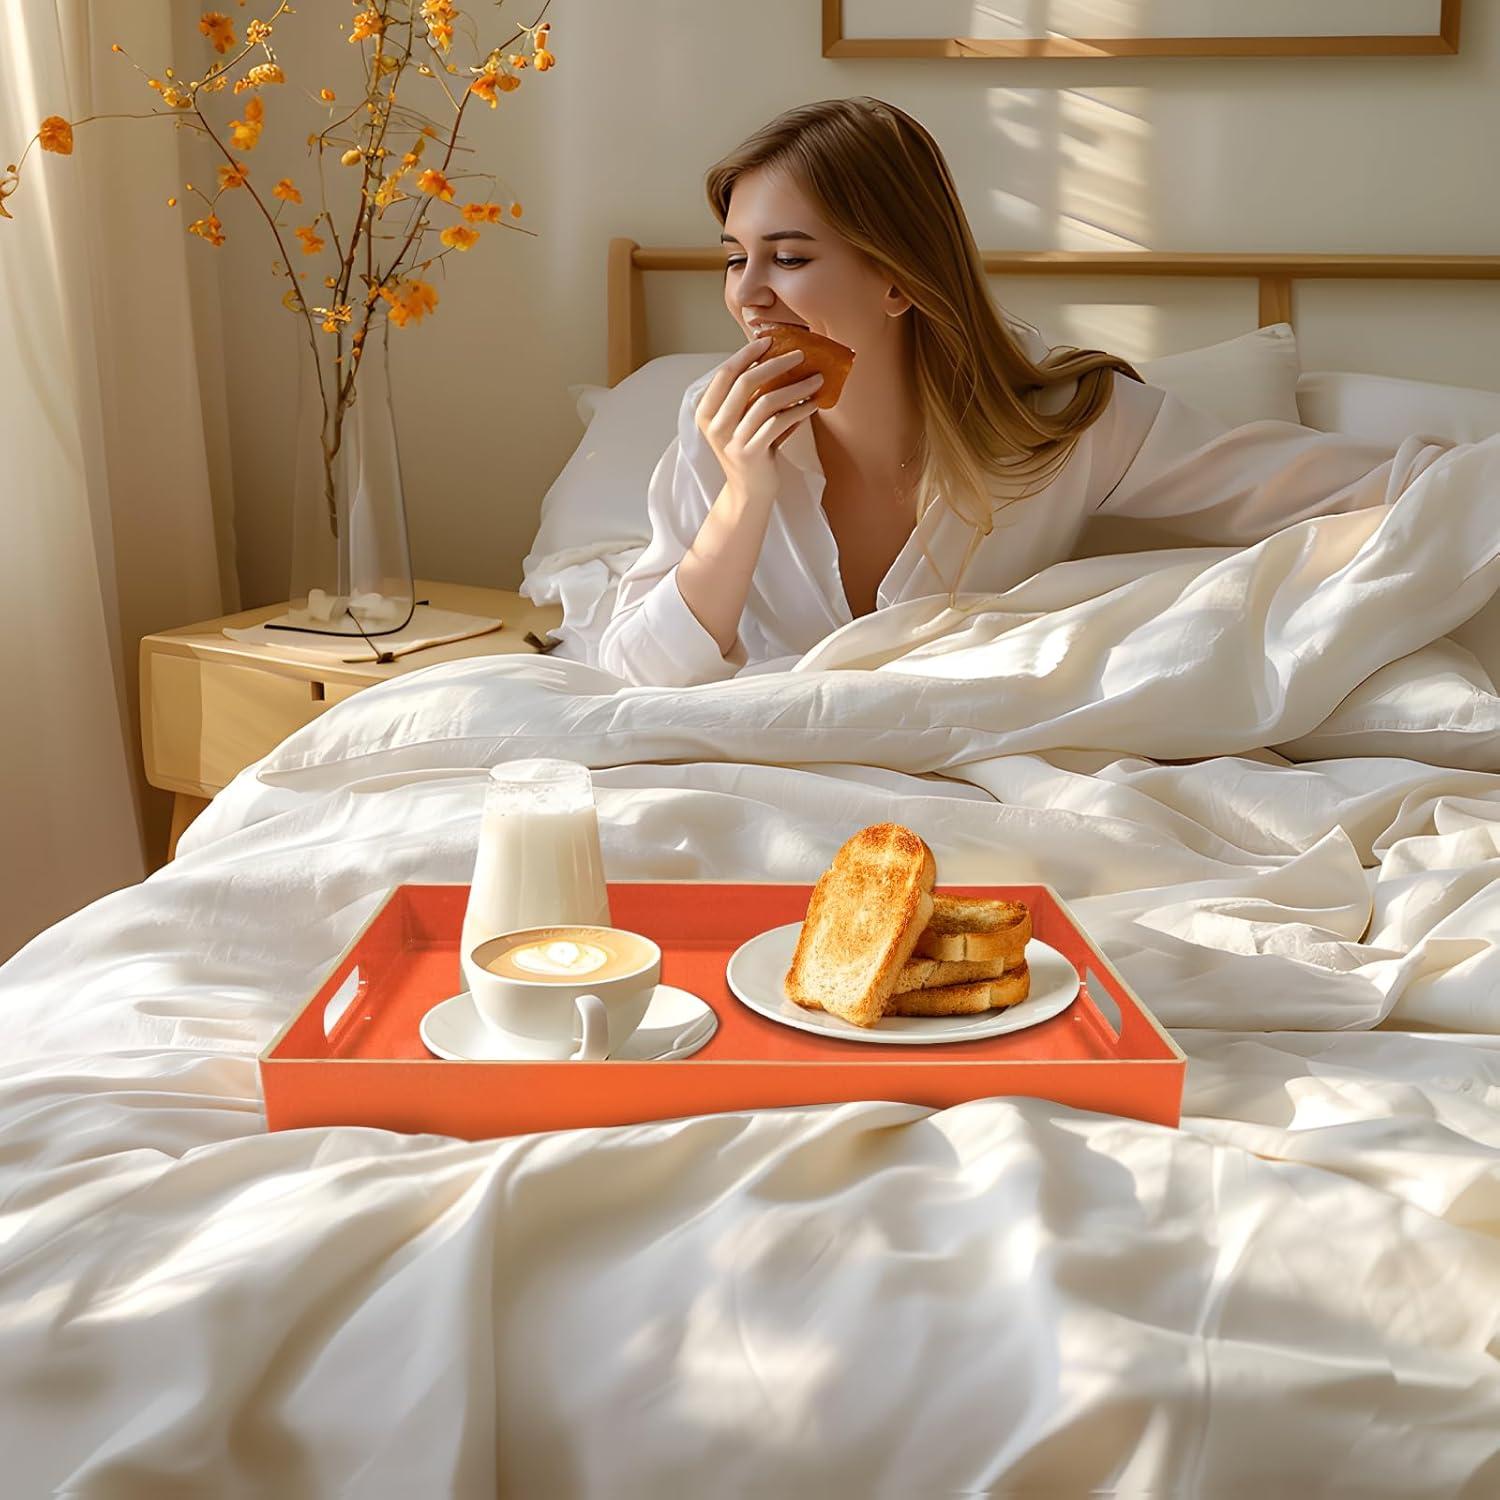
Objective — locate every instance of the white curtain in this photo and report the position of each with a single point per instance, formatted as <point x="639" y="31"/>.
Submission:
<point x="115" y="516"/>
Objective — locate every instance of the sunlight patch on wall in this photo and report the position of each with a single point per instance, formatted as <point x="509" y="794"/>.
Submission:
<point x="1103" y="152"/>
<point x="1072" y="172"/>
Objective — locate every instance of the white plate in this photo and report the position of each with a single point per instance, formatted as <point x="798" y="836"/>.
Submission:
<point x="676" y="1024"/>
<point x="758" y="967"/>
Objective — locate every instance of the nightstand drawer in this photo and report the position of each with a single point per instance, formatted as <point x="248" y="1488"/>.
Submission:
<point x="209" y="720"/>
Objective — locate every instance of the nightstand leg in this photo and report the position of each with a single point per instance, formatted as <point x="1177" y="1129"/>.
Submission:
<point x="184" y="810"/>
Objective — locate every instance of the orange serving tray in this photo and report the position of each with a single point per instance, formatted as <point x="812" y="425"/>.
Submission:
<point x="353" y="1054"/>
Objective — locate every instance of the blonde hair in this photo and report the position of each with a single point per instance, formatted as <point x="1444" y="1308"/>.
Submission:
<point x="880" y="180"/>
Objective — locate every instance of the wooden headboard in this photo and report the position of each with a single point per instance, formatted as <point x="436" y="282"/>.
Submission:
<point x="1276" y="274"/>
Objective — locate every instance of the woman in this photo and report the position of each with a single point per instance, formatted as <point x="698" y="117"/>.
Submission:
<point x="961" y="450"/>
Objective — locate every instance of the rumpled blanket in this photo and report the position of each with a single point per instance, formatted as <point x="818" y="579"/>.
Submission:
<point x="1298" y="1292"/>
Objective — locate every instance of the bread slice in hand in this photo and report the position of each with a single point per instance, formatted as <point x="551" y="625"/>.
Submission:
<point x="866" y="913"/>
<point x="829" y="358"/>
<point x="968" y="928"/>
<point x="1009" y="988"/>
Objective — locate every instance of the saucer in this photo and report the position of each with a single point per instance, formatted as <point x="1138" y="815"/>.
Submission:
<point x="676" y="1024"/>
<point x="757" y="968"/>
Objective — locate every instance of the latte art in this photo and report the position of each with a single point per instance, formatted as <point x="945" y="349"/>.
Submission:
<point x="566" y="955"/>
<point x="561" y="960"/>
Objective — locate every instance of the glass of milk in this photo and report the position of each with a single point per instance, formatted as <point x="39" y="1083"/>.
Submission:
<point x="539" y="862"/>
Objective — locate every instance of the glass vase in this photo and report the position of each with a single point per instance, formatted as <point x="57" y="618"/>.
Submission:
<point x="351" y="561"/>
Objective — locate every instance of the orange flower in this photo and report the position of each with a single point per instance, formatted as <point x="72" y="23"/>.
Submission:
<point x="335" y="317"/>
<point x="257" y="31"/>
<point x="367" y="23"/>
<point x="389" y="191"/>
<point x="439" y="20"/>
<point x="209" y="229"/>
<point x="218" y="28"/>
<point x="458" y="237"/>
<point x="327" y="95"/>
<point x="432" y="181"/>
<point x="308" y="234"/>
<point x="233" y="176"/>
<point x="542" y="60"/>
<point x="55" y="134"/>
<point x="286" y="189"/>
<point x="515" y="210"/>
<point x="409" y="301"/>
<point x="484" y="87"/>
<point x="246" y="132"/>
<point x="482" y="213"/>
<point x="263" y="73"/>
<point x="439" y="15"/>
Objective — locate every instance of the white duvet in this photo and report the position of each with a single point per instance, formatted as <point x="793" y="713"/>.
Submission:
<point x="1297" y="1293"/>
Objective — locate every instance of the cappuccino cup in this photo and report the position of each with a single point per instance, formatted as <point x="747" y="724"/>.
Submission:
<point x="574" y="991"/>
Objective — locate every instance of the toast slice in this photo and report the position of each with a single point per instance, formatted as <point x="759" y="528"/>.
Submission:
<point x="930" y="973"/>
<point x="933" y="973"/>
<point x="965" y="928"/>
<point x="1009" y="988"/>
<point x="866" y="913"/>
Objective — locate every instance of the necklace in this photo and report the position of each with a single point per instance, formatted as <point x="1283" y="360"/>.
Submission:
<point x="899" y="488"/>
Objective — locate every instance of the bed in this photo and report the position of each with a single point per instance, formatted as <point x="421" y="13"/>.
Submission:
<point x="1267" y="780"/>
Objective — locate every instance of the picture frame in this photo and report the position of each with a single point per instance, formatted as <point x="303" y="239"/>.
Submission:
<point x="1079" y="29"/>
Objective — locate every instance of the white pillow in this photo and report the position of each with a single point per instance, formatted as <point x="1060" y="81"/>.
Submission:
<point x="1386" y="409"/>
<point x="1437" y="705"/>
<point x="1251" y="378"/>
<point x="597" y="505"/>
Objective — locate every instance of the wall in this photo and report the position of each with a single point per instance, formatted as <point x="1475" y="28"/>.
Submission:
<point x="1339" y="155"/>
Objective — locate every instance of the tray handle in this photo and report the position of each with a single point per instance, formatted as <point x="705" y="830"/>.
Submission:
<point x="1104" y="1002"/>
<point x="347" y="992"/>
<point x="1119" y="1010"/>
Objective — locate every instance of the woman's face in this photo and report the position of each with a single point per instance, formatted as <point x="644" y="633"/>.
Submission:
<point x="813" y="278"/>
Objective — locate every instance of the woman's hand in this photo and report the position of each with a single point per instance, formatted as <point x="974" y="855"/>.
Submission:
<point x="743" y="429"/>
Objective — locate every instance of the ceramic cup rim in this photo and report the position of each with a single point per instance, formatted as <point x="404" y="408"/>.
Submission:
<point x="584" y="983"/>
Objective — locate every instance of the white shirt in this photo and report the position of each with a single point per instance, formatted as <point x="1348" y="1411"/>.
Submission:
<point x="1149" y="455"/>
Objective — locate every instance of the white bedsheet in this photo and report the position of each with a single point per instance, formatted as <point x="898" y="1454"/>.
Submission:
<point x="1297" y="1293"/>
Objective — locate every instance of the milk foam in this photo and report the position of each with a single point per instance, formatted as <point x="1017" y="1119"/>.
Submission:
<point x="562" y="960"/>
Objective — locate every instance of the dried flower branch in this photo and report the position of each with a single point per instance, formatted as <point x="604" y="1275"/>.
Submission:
<point x="378" y="134"/>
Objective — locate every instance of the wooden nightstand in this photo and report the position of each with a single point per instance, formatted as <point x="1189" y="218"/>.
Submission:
<point x="210" y="705"/>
